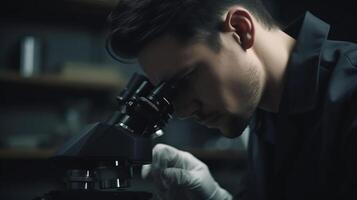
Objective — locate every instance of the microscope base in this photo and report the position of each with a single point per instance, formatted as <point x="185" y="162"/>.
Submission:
<point x="95" y="195"/>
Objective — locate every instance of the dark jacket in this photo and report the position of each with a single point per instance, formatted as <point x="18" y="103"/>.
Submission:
<point x="309" y="149"/>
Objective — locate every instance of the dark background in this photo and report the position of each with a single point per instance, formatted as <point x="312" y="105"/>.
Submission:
<point x="341" y="15"/>
<point x="37" y="114"/>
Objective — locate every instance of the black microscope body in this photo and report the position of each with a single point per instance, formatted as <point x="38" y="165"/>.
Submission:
<point x="99" y="160"/>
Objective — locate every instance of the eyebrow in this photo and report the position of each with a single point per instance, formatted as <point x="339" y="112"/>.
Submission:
<point x="182" y="74"/>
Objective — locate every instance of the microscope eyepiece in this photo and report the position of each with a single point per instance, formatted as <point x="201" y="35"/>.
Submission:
<point x="144" y="108"/>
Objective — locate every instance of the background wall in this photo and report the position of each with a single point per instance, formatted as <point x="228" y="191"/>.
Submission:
<point x="340" y="15"/>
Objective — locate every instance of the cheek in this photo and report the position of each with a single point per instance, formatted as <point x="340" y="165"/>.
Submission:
<point x="247" y="90"/>
<point x="210" y="89"/>
<point x="231" y="87"/>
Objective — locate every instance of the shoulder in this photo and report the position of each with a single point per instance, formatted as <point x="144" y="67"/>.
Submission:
<point x="342" y="57"/>
<point x="351" y="55"/>
<point x="339" y="61"/>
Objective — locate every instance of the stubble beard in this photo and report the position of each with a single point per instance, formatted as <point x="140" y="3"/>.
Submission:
<point x="234" y="124"/>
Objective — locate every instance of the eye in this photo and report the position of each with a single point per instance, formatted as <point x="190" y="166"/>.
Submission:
<point x="185" y="81"/>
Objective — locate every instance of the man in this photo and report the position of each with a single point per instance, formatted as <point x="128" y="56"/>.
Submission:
<point x="296" y="89"/>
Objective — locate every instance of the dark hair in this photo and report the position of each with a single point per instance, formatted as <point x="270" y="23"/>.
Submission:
<point x="135" y="23"/>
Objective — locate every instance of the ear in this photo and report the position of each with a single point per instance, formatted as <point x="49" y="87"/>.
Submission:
<point x="239" y="21"/>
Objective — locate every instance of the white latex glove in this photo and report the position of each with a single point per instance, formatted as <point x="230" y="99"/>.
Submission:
<point x="179" y="175"/>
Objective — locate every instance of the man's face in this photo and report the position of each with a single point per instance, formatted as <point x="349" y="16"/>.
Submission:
<point x="219" y="89"/>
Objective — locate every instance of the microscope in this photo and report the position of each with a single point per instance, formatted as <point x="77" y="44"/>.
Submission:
<point x="99" y="161"/>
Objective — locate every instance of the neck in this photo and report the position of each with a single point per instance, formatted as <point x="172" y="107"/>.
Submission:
<point x="273" y="49"/>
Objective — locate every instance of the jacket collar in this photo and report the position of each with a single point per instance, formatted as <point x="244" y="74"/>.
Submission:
<point x="301" y="88"/>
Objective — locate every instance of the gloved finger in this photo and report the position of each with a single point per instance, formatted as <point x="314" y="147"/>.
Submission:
<point x="153" y="175"/>
<point x="175" y="177"/>
<point x="146" y="172"/>
<point x="182" y="182"/>
<point x="174" y="184"/>
<point x="165" y="156"/>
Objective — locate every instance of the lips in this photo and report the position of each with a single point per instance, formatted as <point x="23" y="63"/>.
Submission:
<point x="207" y="119"/>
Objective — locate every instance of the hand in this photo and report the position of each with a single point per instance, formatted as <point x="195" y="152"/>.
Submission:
<point x="179" y="175"/>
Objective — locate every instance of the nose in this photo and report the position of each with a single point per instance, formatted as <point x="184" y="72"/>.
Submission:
<point x="186" y="108"/>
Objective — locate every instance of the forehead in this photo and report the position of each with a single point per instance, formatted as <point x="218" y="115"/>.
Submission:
<point x="166" y="57"/>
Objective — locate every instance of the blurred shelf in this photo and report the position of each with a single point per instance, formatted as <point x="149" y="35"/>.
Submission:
<point x="56" y="90"/>
<point x="227" y="155"/>
<point x="79" y="12"/>
<point x="26" y="153"/>
<point x="57" y="81"/>
<point x="207" y="155"/>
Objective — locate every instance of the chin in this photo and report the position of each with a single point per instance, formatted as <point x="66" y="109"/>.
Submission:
<point x="233" y="127"/>
<point x="229" y="133"/>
